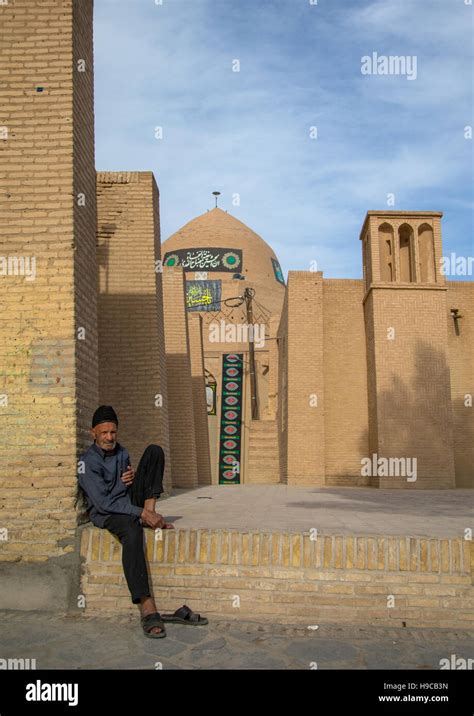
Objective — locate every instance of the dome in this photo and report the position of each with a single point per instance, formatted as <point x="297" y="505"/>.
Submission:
<point x="220" y="244"/>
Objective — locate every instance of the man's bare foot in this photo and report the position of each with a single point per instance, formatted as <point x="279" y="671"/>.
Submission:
<point x="155" y="630"/>
<point x="148" y="606"/>
<point x="166" y="526"/>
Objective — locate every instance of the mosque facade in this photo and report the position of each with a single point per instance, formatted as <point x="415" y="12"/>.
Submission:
<point x="348" y="382"/>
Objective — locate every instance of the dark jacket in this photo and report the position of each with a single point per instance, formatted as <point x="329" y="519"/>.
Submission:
<point x="99" y="475"/>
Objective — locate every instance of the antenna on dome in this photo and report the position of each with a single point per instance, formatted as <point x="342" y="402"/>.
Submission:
<point x="216" y="194"/>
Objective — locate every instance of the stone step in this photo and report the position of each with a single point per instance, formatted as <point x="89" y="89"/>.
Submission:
<point x="263" y="438"/>
<point x="264" y="468"/>
<point x="270" y="431"/>
<point x="269" y="472"/>
<point x="263" y="431"/>
<point x="264" y="450"/>
<point x="263" y="458"/>
<point x="259" y="479"/>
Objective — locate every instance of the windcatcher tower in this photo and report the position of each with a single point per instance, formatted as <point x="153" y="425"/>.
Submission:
<point x="406" y="319"/>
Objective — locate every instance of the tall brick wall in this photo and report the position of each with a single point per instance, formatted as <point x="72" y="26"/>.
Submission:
<point x="132" y="356"/>
<point x="273" y="368"/>
<point x="282" y="404"/>
<point x="85" y="221"/>
<point x="372" y="405"/>
<point x="180" y="389"/>
<point x="345" y="382"/>
<point x="414" y="413"/>
<point x="305" y="369"/>
<point x="160" y="357"/>
<point x="461" y="362"/>
<point x="201" y="428"/>
<point x="47" y="209"/>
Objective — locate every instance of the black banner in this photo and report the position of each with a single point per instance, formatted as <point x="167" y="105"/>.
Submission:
<point x="203" y="295"/>
<point x="205" y="259"/>
<point x="231" y="419"/>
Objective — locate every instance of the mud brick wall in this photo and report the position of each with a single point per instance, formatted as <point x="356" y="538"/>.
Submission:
<point x="132" y="357"/>
<point x="305" y="368"/>
<point x="201" y="426"/>
<point x="461" y="362"/>
<point x="413" y="410"/>
<point x="180" y="385"/>
<point x="345" y="382"/>
<point x="48" y="318"/>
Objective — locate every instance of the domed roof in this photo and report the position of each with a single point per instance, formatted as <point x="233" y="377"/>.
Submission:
<point x="216" y="224"/>
<point x="241" y="251"/>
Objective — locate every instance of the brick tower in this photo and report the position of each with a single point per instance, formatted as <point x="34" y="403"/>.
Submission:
<point x="48" y="282"/>
<point x="405" y="309"/>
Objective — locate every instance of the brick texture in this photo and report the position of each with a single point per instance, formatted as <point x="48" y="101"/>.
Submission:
<point x="282" y="398"/>
<point x="410" y="381"/>
<point x="131" y="329"/>
<point x="461" y="362"/>
<point x="345" y="389"/>
<point x="339" y="578"/>
<point x="201" y="427"/>
<point x="412" y="377"/>
<point x="180" y="386"/>
<point x="305" y="387"/>
<point x="48" y="351"/>
<point x="408" y="397"/>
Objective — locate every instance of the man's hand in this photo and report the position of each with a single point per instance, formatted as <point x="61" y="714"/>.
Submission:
<point x="154" y="520"/>
<point x="128" y="476"/>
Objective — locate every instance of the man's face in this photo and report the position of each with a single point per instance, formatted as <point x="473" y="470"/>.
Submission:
<point x="105" y="435"/>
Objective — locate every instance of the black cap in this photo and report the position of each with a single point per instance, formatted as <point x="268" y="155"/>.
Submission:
<point x="104" y="414"/>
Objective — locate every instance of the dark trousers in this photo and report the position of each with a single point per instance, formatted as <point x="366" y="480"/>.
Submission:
<point x="148" y="483"/>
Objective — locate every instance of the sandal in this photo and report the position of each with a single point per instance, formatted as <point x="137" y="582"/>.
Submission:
<point x="150" y="621"/>
<point x="185" y="615"/>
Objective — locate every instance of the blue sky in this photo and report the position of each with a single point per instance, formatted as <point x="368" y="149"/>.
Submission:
<point x="248" y="132"/>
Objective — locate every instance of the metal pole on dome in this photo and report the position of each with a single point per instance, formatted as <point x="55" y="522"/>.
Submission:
<point x="248" y="295"/>
<point x="216" y="194"/>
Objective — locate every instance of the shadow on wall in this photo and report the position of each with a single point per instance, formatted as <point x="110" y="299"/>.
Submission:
<point x="417" y="427"/>
<point x="103" y="251"/>
<point x="131" y="366"/>
<point x="463" y="429"/>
